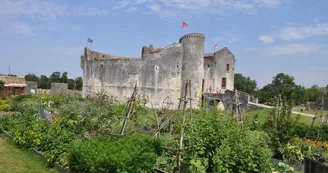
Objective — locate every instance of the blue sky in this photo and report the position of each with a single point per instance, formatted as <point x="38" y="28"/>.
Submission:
<point x="266" y="36"/>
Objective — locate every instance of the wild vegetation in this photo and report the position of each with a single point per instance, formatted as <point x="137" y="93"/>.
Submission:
<point x="44" y="82"/>
<point x="84" y="136"/>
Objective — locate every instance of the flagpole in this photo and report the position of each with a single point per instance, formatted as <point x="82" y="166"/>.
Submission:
<point x="181" y="30"/>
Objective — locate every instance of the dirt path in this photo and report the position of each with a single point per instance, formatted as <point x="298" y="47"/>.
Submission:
<point x="270" y="107"/>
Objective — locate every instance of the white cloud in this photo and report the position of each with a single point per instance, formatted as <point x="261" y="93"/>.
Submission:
<point x="183" y="7"/>
<point x="45" y="10"/>
<point x="20" y="29"/>
<point x="155" y="8"/>
<point x="132" y="9"/>
<point x="292" y="32"/>
<point x="266" y="39"/>
<point x="302" y="32"/>
<point x="289" y="49"/>
<point x="269" y="3"/>
<point x="121" y="4"/>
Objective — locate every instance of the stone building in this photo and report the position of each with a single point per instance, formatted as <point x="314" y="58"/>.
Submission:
<point x="160" y="73"/>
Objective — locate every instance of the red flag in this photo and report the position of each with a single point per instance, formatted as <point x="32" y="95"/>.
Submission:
<point x="184" y="24"/>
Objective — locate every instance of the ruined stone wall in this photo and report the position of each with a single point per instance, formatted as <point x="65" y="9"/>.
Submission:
<point x="58" y="88"/>
<point x="31" y="87"/>
<point x="157" y="76"/>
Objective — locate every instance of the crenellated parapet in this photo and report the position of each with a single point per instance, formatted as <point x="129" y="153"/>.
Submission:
<point x="93" y="55"/>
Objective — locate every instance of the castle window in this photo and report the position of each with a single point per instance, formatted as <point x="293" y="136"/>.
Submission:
<point x="224" y="83"/>
<point x="228" y="67"/>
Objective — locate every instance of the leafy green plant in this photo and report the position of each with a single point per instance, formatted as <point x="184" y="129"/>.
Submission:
<point x="137" y="153"/>
<point x="280" y="125"/>
<point x="219" y="144"/>
<point x="295" y="151"/>
<point x="282" y="167"/>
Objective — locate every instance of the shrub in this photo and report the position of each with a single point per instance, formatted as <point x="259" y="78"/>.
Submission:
<point x="137" y="153"/>
<point x="280" y="126"/>
<point x="221" y="145"/>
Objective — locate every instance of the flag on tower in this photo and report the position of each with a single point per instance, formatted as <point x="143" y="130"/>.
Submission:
<point x="216" y="45"/>
<point x="184" y="24"/>
<point x="90" y="40"/>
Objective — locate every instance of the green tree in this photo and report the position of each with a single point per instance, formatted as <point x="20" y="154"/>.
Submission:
<point x="44" y="82"/>
<point x="55" y="77"/>
<point x="314" y="93"/>
<point x="284" y="85"/>
<point x="64" y="78"/>
<point x="245" y="84"/>
<point x="31" y="77"/>
<point x="78" y="83"/>
<point x="71" y="84"/>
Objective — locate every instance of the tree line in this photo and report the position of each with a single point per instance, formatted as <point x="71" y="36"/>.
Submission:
<point x="44" y="82"/>
<point x="283" y="85"/>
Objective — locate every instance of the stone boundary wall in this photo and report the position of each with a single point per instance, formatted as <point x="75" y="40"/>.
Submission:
<point x="31" y="88"/>
<point x="58" y="88"/>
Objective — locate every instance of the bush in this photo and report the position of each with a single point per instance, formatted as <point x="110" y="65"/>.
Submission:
<point x="137" y="153"/>
<point x="302" y="129"/>
<point x="221" y="145"/>
<point x="280" y="126"/>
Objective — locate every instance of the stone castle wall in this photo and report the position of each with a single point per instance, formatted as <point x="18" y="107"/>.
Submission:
<point x="160" y="74"/>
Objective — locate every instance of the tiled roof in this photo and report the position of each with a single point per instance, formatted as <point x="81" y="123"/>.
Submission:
<point x="13" y="81"/>
<point x="208" y="54"/>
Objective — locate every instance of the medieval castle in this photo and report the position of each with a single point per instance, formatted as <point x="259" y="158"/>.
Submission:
<point x="160" y="73"/>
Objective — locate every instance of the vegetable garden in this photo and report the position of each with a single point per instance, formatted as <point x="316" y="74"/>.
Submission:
<point x="98" y="135"/>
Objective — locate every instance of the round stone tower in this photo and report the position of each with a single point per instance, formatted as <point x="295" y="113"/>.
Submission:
<point x="193" y="65"/>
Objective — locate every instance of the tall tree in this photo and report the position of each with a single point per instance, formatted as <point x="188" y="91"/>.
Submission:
<point x="78" y="83"/>
<point x="245" y="84"/>
<point x="55" y="77"/>
<point x="64" y="78"/>
<point x="44" y="82"/>
<point x="284" y="85"/>
<point x="31" y="77"/>
<point x="314" y="93"/>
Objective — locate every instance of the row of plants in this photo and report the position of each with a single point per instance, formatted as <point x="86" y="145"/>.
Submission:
<point x="60" y="138"/>
<point x="77" y="137"/>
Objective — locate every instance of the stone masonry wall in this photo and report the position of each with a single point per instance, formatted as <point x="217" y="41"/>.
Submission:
<point x="160" y="74"/>
<point x="157" y="76"/>
<point x="58" y="88"/>
<point x="31" y="87"/>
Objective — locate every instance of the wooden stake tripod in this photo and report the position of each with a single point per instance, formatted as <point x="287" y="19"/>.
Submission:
<point x="183" y="102"/>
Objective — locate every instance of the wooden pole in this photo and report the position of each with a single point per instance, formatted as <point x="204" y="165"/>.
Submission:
<point x="321" y="121"/>
<point x="182" y="127"/>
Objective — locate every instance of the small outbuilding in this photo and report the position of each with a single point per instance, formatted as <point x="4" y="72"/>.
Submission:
<point x="13" y="86"/>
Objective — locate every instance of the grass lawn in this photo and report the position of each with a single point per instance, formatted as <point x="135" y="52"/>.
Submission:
<point x="17" y="160"/>
<point x="312" y="112"/>
<point x="264" y="113"/>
